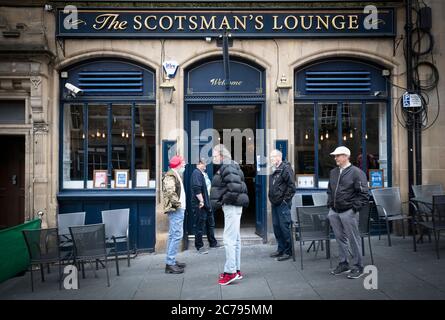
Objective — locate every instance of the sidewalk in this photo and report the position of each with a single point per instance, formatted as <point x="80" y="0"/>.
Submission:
<point x="402" y="274"/>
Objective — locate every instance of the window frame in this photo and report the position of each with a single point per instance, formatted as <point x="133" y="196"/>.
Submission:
<point x="340" y="99"/>
<point x="108" y="100"/>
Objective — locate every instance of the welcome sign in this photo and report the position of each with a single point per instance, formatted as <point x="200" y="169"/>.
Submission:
<point x="241" y="24"/>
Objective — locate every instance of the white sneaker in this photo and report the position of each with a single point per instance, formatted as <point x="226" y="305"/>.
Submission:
<point x="203" y="251"/>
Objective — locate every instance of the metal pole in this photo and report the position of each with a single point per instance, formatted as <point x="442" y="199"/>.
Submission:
<point x="409" y="83"/>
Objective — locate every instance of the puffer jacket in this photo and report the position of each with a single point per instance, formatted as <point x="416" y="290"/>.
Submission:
<point x="282" y="185"/>
<point x="348" y="190"/>
<point x="171" y="192"/>
<point x="228" y="187"/>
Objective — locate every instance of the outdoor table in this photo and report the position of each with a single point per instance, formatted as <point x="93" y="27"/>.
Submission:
<point x="427" y="201"/>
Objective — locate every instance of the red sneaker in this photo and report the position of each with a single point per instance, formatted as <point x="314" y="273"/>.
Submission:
<point x="240" y="275"/>
<point x="228" y="278"/>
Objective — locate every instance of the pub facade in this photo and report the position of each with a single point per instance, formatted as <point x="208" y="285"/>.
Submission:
<point x="96" y="98"/>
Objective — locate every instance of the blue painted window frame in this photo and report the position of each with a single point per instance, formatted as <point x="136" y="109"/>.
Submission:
<point x="149" y="98"/>
<point x="378" y="83"/>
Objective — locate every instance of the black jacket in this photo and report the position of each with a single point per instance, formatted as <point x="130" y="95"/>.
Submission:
<point x="198" y="185"/>
<point x="228" y="187"/>
<point x="348" y="190"/>
<point x="282" y="184"/>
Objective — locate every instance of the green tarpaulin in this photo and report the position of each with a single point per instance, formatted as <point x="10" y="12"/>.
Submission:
<point x="13" y="252"/>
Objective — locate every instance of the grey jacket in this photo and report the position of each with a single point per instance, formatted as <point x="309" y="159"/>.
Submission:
<point x="348" y="190"/>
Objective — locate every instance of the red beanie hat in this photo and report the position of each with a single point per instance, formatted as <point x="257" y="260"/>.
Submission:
<point x="175" y="162"/>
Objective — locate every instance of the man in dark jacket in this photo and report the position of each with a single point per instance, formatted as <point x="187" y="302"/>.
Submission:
<point x="347" y="194"/>
<point x="200" y="186"/>
<point x="229" y="192"/>
<point x="281" y="192"/>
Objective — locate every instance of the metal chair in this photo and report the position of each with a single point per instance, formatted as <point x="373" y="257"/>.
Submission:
<point x="320" y="198"/>
<point x="364" y="223"/>
<point x="89" y="245"/>
<point x="313" y="225"/>
<point x="427" y="190"/>
<point x="389" y="208"/>
<point x="43" y="248"/>
<point x="297" y="201"/>
<point x="436" y="223"/>
<point x="116" y="230"/>
<point x="66" y="220"/>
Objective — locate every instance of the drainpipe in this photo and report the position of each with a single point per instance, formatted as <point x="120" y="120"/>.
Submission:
<point x="409" y="83"/>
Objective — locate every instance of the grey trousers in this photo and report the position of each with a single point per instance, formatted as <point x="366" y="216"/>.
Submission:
<point x="345" y="227"/>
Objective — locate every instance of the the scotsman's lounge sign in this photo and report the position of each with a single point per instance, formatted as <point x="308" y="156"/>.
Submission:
<point x="241" y="24"/>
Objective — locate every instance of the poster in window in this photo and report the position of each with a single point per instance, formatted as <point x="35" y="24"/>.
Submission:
<point x="305" y="180"/>
<point x="376" y="178"/>
<point x="121" y="178"/>
<point x="100" y="178"/>
<point x="142" y="178"/>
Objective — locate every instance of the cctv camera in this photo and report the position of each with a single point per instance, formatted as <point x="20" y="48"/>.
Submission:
<point x="73" y="89"/>
<point x="208" y="39"/>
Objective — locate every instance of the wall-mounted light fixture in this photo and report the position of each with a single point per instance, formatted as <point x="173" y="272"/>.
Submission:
<point x="283" y="88"/>
<point x="167" y="88"/>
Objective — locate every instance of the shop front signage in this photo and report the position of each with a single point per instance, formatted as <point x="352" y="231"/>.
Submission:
<point x="90" y="23"/>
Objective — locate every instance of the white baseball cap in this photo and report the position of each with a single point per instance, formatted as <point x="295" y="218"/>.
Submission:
<point x="341" y="150"/>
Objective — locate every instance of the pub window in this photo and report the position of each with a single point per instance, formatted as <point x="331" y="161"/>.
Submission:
<point x="340" y="103"/>
<point x="105" y="133"/>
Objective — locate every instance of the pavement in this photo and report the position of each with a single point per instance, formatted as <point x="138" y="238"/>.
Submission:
<point x="401" y="274"/>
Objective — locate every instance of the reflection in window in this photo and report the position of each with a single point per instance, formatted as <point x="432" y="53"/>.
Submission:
<point x="352" y="130"/>
<point x="327" y="141"/>
<point x="145" y="138"/>
<point x="376" y="138"/>
<point x="120" y="138"/>
<point x="73" y="150"/>
<point x="97" y="139"/>
<point x="304" y="138"/>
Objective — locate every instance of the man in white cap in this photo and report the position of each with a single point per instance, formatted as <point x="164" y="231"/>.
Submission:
<point x="347" y="194"/>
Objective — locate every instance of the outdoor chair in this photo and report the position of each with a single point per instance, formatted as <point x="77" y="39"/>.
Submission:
<point x="116" y="231"/>
<point x="43" y="248"/>
<point x="89" y="245"/>
<point x="66" y="220"/>
<point x="313" y="225"/>
<point x="320" y="198"/>
<point x="389" y="208"/>
<point x="436" y="220"/>
<point x="364" y="228"/>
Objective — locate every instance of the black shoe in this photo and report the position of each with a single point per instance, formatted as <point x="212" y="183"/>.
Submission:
<point x="341" y="268"/>
<point x="276" y="254"/>
<point x="173" y="269"/>
<point x="181" y="264"/>
<point x="356" y="272"/>
<point x="284" y="257"/>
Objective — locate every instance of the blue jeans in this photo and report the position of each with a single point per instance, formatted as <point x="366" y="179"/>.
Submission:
<point x="232" y="238"/>
<point x="175" y="232"/>
<point x="281" y="227"/>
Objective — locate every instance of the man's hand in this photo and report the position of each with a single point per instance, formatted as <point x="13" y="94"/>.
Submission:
<point x="201" y="204"/>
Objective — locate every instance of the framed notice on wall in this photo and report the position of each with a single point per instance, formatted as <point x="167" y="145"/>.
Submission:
<point x="100" y="178"/>
<point x="142" y="178"/>
<point x="376" y="178"/>
<point x="305" y="180"/>
<point x="121" y="178"/>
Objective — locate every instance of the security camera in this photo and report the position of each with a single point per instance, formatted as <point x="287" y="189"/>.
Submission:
<point x="377" y="93"/>
<point x="208" y="39"/>
<point x="73" y="89"/>
<point x="48" y="7"/>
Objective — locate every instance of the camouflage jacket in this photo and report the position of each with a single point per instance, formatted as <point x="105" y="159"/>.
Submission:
<point x="171" y="192"/>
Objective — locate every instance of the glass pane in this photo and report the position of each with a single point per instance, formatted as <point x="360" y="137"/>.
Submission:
<point x="97" y="140"/>
<point x="376" y="138"/>
<point x="121" y="139"/>
<point x="12" y="111"/>
<point x="352" y="130"/>
<point x="327" y="141"/>
<point x="145" y="143"/>
<point x="304" y="138"/>
<point x="73" y="152"/>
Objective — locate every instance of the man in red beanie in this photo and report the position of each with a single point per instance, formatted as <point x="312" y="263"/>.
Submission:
<point x="174" y="205"/>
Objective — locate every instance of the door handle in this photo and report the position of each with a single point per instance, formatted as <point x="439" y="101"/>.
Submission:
<point x="14" y="179"/>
